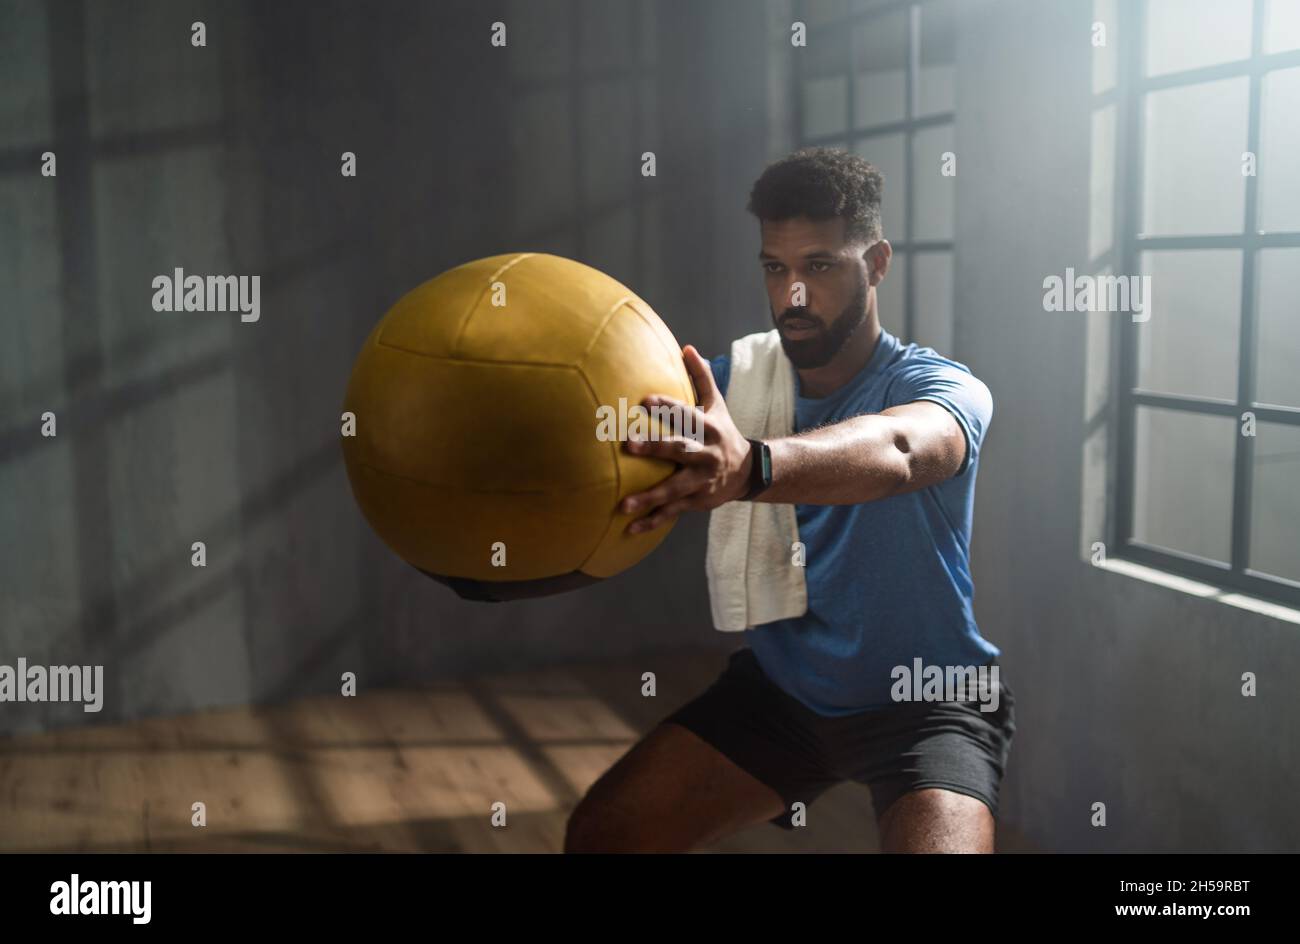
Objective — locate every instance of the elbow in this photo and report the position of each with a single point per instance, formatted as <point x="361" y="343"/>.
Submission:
<point x="901" y="470"/>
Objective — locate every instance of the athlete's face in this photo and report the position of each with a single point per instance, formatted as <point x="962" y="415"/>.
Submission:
<point x="817" y="287"/>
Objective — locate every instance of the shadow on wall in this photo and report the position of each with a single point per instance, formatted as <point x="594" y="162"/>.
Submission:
<point x="176" y="428"/>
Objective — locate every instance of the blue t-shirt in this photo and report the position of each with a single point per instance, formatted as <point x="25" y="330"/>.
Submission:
<point x="889" y="580"/>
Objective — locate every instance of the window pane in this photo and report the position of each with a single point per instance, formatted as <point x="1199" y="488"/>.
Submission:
<point x="819" y="11"/>
<point x="1188" y="34"/>
<point x="933" y="192"/>
<point x="1182" y="482"/>
<point x="1105" y="61"/>
<point x="27" y="77"/>
<point x="867" y="5"/>
<point x="122" y="85"/>
<point x="1275" y="515"/>
<point x="1101" y="183"/>
<point x="1191" y="178"/>
<point x="934" y="326"/>
<point x="1281" y="26"/>
<point x="1279" y="167"/>
<point x="548" y="52"/>
<point x="889" y="295"/>
<point x="887" y="154"/>
<point x="880" y="51"/>
<point x="825" y="85"/>
<point x="1278" y="380"/>
<point x="938" y="52"/>
<point x="825" y="106"/>
<point x="1189" y="345"/>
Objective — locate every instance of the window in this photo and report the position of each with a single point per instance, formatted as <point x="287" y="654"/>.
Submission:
<point x="583" y="92"/>
<point x="1208" y="205"/>
<point x="876" y="78"/>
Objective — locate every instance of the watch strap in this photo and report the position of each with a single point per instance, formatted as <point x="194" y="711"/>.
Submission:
<point x="760" y="469"/>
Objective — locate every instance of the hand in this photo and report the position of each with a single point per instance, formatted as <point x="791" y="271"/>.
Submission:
<point x="714" y="464"/>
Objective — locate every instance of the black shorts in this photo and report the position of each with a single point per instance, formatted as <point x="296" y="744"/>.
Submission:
<point x="800" y="754"/>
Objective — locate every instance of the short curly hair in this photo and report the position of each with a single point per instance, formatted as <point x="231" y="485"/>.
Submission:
<point x="821" y="183"/>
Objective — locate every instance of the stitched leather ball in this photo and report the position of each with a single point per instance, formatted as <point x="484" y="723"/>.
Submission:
<point x="476" y="456"/>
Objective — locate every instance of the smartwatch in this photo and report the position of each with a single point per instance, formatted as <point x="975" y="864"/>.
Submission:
<point x="760" y="469"/>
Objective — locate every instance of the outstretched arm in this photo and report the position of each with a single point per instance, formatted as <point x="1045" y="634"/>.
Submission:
<point x="860" y="459"/>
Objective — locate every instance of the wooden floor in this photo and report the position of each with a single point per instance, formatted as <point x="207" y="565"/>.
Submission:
<point x="410" y="771"/>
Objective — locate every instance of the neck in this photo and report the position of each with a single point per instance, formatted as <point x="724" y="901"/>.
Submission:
<point x="848" y="360"/>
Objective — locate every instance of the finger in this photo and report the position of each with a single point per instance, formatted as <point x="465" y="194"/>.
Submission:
<point x="642" y="525"/>
<point x="663" y="515"/>
<point x="677" y="485"/>
<point x="681" y="449"/>
<point x="701" y="374"/>
<point x="650" y="522"/>
<point x="682" y="418"/>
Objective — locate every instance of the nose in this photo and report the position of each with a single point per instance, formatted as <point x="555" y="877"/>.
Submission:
<point x="789" y="299"/>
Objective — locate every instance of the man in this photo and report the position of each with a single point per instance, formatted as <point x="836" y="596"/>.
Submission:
<point x="881" y="471"/>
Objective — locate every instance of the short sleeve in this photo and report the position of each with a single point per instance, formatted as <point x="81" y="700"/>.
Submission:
<point x="955" y="389"/>
<point x="721" y="367"/>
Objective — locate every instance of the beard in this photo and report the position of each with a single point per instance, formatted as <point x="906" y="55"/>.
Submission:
<point x="817" y="349"/>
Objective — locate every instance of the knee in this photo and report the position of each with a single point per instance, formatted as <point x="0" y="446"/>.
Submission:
<point x="592" y="828"/>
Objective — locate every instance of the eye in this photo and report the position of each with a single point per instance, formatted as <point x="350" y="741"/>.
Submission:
<point x="824" y="266"/>
<point x="771" y="266"/>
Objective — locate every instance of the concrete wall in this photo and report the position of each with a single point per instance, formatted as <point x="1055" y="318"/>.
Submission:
<point x="183" y="427"/>
<point x="1128" y="692"/>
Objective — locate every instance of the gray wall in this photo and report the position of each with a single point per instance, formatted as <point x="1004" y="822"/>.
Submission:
<point x="183" y="427"/>
<point x="1128" y="693"/>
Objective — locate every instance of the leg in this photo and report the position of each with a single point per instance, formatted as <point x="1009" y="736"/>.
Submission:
<point x="938" y="787"/>
<point x="670" y="793"/>
<point x="935" y="820"/>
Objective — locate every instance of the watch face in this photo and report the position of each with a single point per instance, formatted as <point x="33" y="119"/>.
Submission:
<point x="762" y="473"/>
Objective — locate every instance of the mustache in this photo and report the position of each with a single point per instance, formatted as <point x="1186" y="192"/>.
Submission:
<point x="799" y="314"/>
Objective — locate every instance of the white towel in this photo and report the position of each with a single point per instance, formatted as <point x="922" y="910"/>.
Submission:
<point x="752" y="577"/>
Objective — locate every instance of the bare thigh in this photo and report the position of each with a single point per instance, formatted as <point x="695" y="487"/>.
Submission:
<point x="935" y="820"/>
<point x="671" y="792"/>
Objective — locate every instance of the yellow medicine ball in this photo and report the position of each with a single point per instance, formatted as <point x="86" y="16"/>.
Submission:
<point x="476" y="443"/>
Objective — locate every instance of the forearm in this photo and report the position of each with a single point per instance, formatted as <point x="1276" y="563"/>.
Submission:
<point x="857" y="460"/>
<point x="905" y="448"/>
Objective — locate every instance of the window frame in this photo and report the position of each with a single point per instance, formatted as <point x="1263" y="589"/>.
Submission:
<point x="908" y="126"/>
<point x="1132" y="88"/>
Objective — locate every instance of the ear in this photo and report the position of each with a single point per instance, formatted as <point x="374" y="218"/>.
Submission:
<point x="877" y="258"/>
